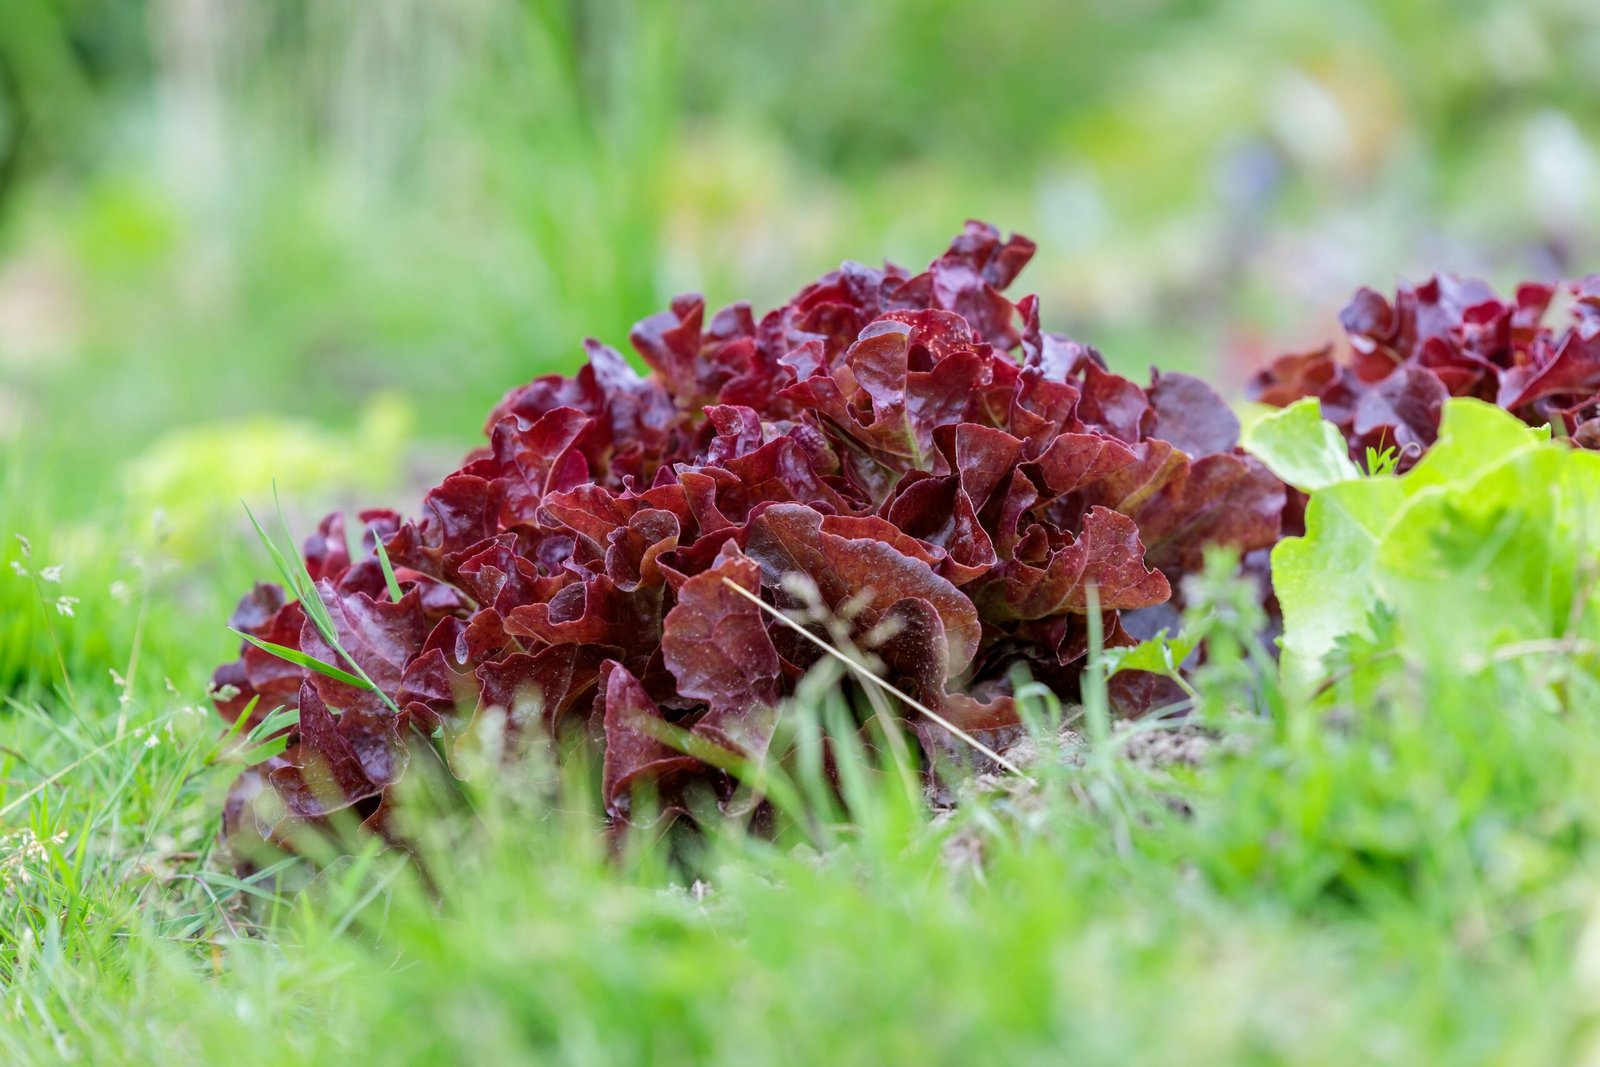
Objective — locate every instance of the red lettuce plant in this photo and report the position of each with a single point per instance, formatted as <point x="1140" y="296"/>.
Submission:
<point x="908" y="453"/>
<point x="1449" y="337"/>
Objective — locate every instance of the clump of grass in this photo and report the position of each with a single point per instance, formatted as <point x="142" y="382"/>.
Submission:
<point x="1398" y="873"/>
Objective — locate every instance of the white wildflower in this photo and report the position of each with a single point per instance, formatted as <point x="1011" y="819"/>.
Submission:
<point x="121" y="683"/>
<point x="64" y="605"/>
<point x="21" y="571"/>
<point x="27" y="546"/>
<point x="152" y="741"/>
<point x="52" y="574"/>
<point x="121" y="591"/>
<point x="21" y="851"/>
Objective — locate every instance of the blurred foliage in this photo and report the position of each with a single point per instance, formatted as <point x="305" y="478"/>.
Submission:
<point x="211" y="209"/>
<point x="197" y="475"/>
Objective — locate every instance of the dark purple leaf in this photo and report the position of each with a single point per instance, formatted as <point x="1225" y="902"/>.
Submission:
<point x="636" y="752"/>
<point x="716" y="645"/>
<point x="1191" y="415"/>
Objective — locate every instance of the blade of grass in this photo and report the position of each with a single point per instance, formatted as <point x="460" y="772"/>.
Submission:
<point x="309" y="600"/>
<point x="272" y="550"/>
<point x="235" y="729"/>
<point x="861" y="669"/>
<point x="1096" y="701"/>
<point x="300" y="659"/>
<point x="388" y="569"/>
<point x="279" y="719"/>
<point x="265" y="751"/>
<point x="237" y="726"/>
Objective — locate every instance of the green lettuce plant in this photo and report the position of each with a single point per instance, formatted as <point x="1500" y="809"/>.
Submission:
<point x="1487" y="548"/>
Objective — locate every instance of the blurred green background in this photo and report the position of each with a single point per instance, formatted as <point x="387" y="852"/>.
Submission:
<point x="314" y="240"/>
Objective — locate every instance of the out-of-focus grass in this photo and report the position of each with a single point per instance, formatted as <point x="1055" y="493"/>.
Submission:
<point x="216" y="209"/>
<point x="1403" y="880"/>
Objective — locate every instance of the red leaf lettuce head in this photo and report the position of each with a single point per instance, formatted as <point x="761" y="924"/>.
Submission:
<point x="1450" y="337"/>
<point x="908" y="461"/>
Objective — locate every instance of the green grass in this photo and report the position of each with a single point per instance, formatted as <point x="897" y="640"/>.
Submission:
<point x="1401" y="873"/>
